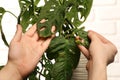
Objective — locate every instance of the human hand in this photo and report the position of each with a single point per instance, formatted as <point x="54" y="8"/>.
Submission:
<point x="26" y="49"/>
<point x="100" y="50"/>
<point x="100" y="53"/>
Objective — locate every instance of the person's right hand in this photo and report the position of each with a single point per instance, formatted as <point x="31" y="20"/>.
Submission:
<point x="100" y="53"/>
<point x="100" y="49"/>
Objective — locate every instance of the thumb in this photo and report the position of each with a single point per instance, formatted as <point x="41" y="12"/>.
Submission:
<point x="84" y="51"/>
<point x="18" y="33"/>
<point x="93" y="36"/>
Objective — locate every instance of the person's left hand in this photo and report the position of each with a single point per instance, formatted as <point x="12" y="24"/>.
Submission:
<point x="26" y="49"/>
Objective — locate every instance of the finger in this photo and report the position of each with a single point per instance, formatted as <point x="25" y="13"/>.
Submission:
<point x="46" y="43"/>
<point x="43" y="45"/>
<point x="92" y="35"/>
<point x="18" y="34"/>
<point x="36" y="36"/>
<point x="104" y="40"/>
<point x="84" y="51"/>
<point x="53" y="29"/>
<point x="41" y="40"/>
<point x="31" y="31"/>
<point x="42" y="21"/>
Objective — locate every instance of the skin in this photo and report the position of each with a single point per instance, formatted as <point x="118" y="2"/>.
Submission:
<point x="100" y="53"/>
<point x="25" y="52"/>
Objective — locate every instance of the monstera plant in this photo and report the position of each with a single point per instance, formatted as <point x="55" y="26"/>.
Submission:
<point x="62" y="56"/>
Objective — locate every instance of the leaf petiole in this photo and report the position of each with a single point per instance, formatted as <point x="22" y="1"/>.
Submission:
<point x="12" y="14"/>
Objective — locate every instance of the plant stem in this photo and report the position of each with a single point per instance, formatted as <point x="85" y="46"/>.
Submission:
<point x="12" y="14"/>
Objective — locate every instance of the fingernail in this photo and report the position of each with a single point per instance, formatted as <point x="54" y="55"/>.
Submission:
<point x="53" y="29"/>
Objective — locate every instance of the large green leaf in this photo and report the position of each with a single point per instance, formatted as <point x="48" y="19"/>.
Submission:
<point x="57" y="11"/>
<point x="54" y="14"/>
<point x="66" y="55"/>
<point x="29" y="13"/>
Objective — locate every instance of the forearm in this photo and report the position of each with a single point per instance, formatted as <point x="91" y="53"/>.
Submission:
<point x="9" y="72"/>
<point x="97" y="72"/>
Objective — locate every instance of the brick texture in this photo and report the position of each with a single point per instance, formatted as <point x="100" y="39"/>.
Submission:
<point x="104" y="19"/>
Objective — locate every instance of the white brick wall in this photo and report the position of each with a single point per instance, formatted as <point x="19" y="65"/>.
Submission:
<point x="104" y="19"/>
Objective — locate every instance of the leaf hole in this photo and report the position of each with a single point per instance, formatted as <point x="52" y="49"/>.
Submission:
<point x="53" y="61"/>
<point x="80" y="17"/>
<point x="80" y="6"/>
<point x="47" y="72"/>
<point x="41" y="3"/>
<point x="72" y="20"/>
<point x="30" y="19"/>
<point x="69" y="9"/>
<point x="29" y="26"/>
<point x="23" y="2"/>
<point x="0" y="14"/>
<point x="57" y="34"/>
<point x="53" y="5"/>
<point x="51" y="10"/>
<point x="43" y="28"/>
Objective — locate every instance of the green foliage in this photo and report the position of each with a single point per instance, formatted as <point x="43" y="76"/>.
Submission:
<point x="1" y="67"/>
<point x="66" y="57"/>
<point x="83" y="35"/>
<point x="57" y="12"/>
<point x="67" y="16"/>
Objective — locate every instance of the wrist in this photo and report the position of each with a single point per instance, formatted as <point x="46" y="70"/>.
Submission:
<point x="97" y="69"/>
<point x="98" y="61"/>
<point x="10" y="70"/>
